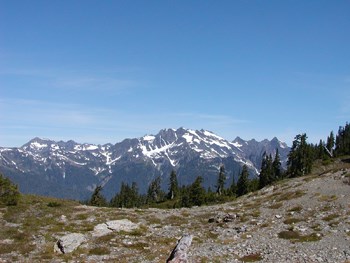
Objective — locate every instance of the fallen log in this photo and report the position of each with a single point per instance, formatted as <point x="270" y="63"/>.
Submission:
<point x="179" y="253"/>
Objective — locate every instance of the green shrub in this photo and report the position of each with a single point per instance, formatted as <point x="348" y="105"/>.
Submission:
<point x="53" y="204"/>
<point x="9" y="193"/>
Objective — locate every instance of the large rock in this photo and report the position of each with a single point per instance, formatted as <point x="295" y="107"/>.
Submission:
<point x="115" y="225"/>
<point x="179" y="253"/>
<point x="69" y="243"/>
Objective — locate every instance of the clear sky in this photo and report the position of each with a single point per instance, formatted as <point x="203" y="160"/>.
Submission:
<point x="102" y="71"/>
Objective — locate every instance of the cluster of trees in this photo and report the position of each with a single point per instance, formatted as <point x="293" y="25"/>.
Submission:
<point x="303" y="155"/>
<point x="271" y="170"/>
<point x="342" y="141"/>
<point x="185" y="196"/>
<point x="9" y="193"/>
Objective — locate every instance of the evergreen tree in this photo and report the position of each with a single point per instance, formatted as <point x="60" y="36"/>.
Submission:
<point x="342" y="141"/>
<point x="197" y="192"/>
<point x="185" y="197"/>
<point x="97" y="198"/>
<point x="243" y="182"/>
<point x="330" y="143"/>
<point x="154" y="192"/>
<point x="173" y="186"/>
<point x="265" y="171"/>
<point x="277" y="167"/>
<point x="9" y="193"/>
<point x="320" y="150"/>
<point x="233" y="187"/>
<point x="221" y="180"/>
<point x="253" y="185"/>
<point x="300" y="157"/>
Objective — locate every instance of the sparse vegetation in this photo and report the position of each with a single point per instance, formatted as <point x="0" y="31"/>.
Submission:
<point x="295" y="236"/>
<point x="99" y="251"/>
<point x="251" y="258"/>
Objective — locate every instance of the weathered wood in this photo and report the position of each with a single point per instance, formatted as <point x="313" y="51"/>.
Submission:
<point x="179" y="253"/>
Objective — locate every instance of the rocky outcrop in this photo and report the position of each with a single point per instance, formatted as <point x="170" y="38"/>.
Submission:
<point x="115" y="225"/>
<point x="179" y="253"/>
<point x="69" y="243"/>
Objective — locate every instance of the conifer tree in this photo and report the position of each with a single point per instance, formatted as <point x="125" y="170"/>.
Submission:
<point x="154" y="192"/>
<point x="330" y="142"/>
<point x="221" y="180"/>
<point x="243" y="182"/>
<point x="265" y="171"/>
<point x="173" y="186"/>
<point x="233" y="187"/>
<point x="97" y="198"/>
<point x="277" y="167"/>
<point x="342" y="141"/>
<point x="9" y="193"/>
<point x="197" y="192"/>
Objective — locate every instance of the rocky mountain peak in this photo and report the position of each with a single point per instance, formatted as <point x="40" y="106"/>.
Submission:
<point x="76" y="168"/>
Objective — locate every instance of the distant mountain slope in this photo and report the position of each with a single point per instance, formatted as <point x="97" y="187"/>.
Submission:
<point x="72" y="170"/>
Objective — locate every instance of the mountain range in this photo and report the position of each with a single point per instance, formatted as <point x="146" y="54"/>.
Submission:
<point x="73" y="170"/>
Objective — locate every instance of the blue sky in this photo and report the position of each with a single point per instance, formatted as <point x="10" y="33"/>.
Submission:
<point x="102" y="71"/>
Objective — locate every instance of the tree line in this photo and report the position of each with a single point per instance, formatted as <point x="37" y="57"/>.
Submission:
<point x="300" y="161"/>
<point x="177" y="196"/>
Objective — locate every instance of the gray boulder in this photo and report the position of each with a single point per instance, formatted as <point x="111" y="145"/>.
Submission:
<point x="69" y="243"/>
<point x="115" y="225"/>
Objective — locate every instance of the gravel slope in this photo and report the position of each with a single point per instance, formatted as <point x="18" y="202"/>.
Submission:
<point x="298" y="220"/>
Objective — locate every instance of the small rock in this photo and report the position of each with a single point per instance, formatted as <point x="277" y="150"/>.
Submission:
<point x="229" y="218"/>
<point x="63" y="219"/>
<point x="211" y="220"/>
<point x="278" y="216"/>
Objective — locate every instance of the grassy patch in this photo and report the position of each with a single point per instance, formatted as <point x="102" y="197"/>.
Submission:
<point x="212" y="235"/>
<point x="175" y="220"/>
<point x="137" y="245"/>
<point x="330" y="217"/>
<point x="296" y="237"/>
<point x="153" y="220"/>
<point x="327" y="198"/>
<point x="7" y="248"/>
<point x="99" y="251"/>
<point x="251" y="258"/>
<point x="276" y="205"/>
<point x="297" y="208"/>
<point x="316" y="227"/>
<point x="290" y="195"/>
<point x="140" y="231"/>
<point x="289" y="234"/>
<point x="54" y="204"/>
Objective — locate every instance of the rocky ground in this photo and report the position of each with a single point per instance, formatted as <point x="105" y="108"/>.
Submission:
<point x="305" y="219"/>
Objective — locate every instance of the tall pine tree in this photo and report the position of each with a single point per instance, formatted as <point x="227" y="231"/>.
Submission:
<point x="233" y="187"/>
<point x="173" y="186"/>
<point x="154" y="192"/>
<point x="265" y="171"/>
<point x="221" y="180"/>
<point x="243" y="182"/>
<point x="277" y="167"/>
<point x="97" y="198"/>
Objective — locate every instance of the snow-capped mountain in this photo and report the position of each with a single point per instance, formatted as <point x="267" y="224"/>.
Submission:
<point x="72" y="170"/>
